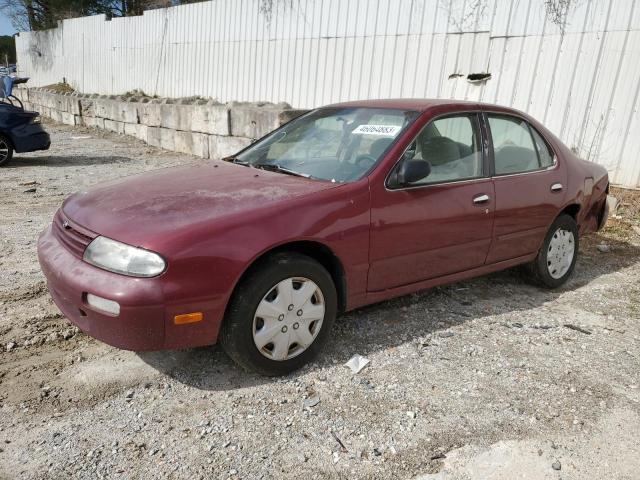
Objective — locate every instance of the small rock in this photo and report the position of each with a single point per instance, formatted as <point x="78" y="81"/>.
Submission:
<point x="310" y="402"/>
<point x="604" y="248"/>
<point x="411" y="414"/>
<point x="129" y="395"/>
<point x="30" y="190"/>
<point x="10" y="346"/>
<point x="446" y="334"/>
<point x="556" y="465"/>
<point x="67" y="334"/>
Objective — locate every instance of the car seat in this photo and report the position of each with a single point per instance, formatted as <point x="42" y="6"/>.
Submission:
<point x="512" y="159"/>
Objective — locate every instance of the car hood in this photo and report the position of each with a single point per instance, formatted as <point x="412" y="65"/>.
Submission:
<point x="136" y="209"/>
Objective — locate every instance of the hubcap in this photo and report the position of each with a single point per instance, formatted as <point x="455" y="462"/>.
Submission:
<point x="560" y="253"/>
<point x="4" y="150"/>
<point x="288" y="318"/>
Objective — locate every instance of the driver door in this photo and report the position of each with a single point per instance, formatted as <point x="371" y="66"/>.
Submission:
<point x="441" y="224"/>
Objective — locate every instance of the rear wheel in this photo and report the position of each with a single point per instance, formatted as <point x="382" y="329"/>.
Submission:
<point x="6" y="150"/>
<point x="557" y="257"/>
<point x="280" y="316"/>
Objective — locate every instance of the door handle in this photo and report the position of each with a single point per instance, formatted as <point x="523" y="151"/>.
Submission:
<point x="556" y="187"/>
<point x="481" y="198"/>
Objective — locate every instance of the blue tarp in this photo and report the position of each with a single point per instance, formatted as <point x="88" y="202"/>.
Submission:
<point x="6" y="87"/>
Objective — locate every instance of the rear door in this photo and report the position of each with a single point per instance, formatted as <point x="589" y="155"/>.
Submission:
<point x="441" y="224"/>
<point x="529" y="186"/>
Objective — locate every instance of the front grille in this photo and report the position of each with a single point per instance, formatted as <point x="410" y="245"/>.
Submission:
<point x="73" y="237"/>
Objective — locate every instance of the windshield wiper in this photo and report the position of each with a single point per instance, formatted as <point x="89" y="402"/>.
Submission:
<point x="235" y="160"/>
<point x="274" y="167"/>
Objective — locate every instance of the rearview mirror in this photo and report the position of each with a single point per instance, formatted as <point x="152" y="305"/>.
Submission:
<point x="412" y="170"/>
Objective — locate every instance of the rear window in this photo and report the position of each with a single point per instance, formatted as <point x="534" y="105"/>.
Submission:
<point x="517" y="148"/>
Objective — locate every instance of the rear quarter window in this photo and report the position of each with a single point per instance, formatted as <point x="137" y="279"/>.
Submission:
<point x="544" y="150"/>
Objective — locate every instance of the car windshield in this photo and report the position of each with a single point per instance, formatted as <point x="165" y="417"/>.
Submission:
<point x="334" y="144"/>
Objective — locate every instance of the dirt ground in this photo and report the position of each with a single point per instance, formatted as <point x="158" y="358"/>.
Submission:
<point x="490" y="379"/>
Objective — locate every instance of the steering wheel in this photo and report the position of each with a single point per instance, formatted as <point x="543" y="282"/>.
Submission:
<point x="366" y="158"/>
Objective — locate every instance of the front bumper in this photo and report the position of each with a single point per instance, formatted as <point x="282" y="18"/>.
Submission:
<point x="145" y="321"/>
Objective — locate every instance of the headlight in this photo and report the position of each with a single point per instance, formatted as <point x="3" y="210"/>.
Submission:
<point x="121" y="258"/>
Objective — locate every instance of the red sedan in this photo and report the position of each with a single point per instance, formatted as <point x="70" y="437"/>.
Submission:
<point x="345" y="206"/>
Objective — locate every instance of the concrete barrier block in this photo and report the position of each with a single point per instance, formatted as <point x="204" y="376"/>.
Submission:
<point x="192" y="143"/>
<point x="22" y="94"/>
<point x="86" y="107"/>
<point x="136" y="130"/>
<point x="115" y="110"/>
<point x="150" y="114"/>
<point x="69" y="104"/>
<point x="213" y="119"/>
<point x="41" y="99"/>
<point x="176" y="117"/>
<point x="56" y="102"/>
<point x="253" y="122"/>
<point x="68" y="118"/>
<point x="95" y="122"/>
<point x="114" y="126"/>
<point x="223" y="146"/>
<point x="167" y="139"/>
<point x="286" y="116"/>
<point x="153" y="136"/>
<point x="55" y="115"/>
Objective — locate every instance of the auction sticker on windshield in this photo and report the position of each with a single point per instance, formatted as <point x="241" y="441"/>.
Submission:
<point x="383" y="130"/>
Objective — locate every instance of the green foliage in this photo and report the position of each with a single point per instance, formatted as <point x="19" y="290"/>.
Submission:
<point x="7" y="49"/>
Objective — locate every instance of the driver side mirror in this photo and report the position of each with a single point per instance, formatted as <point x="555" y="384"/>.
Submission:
<point x="412" y="170"/>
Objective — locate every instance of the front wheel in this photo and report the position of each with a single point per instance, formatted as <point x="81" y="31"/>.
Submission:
<point x="280" y="316"/>
<point x="557" y="256"/>
<point x="6" y="151"/>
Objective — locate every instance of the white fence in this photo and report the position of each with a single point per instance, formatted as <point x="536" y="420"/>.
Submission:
<point x="573" y="64"/>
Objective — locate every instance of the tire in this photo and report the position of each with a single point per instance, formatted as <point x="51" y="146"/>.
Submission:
<point x="243" y="328"/>
<point x="6" y="150"/>
<point x="557" y="256"/>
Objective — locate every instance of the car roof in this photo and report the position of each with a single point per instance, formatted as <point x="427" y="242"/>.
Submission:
<point x="420" y="104"/>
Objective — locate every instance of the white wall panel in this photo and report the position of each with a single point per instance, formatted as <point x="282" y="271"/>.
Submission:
<point x="579" y="74"/>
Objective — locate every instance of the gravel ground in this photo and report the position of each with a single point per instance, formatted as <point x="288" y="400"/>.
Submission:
<point x="490" y="378"/>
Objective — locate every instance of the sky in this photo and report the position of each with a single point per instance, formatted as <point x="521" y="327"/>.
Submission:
<point x="5" y="25"/>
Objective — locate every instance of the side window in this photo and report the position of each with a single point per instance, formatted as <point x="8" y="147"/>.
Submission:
<point x="544" y="150"/>
<point x="452" y="146"/>
<point x="513" y="147"/>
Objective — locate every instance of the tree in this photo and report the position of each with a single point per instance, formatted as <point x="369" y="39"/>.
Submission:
<point x="7" y="49"/>
<point x="43" y="14"/>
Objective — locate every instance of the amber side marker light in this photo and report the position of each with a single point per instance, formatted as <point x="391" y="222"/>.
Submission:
<point x="187" y="318"/>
